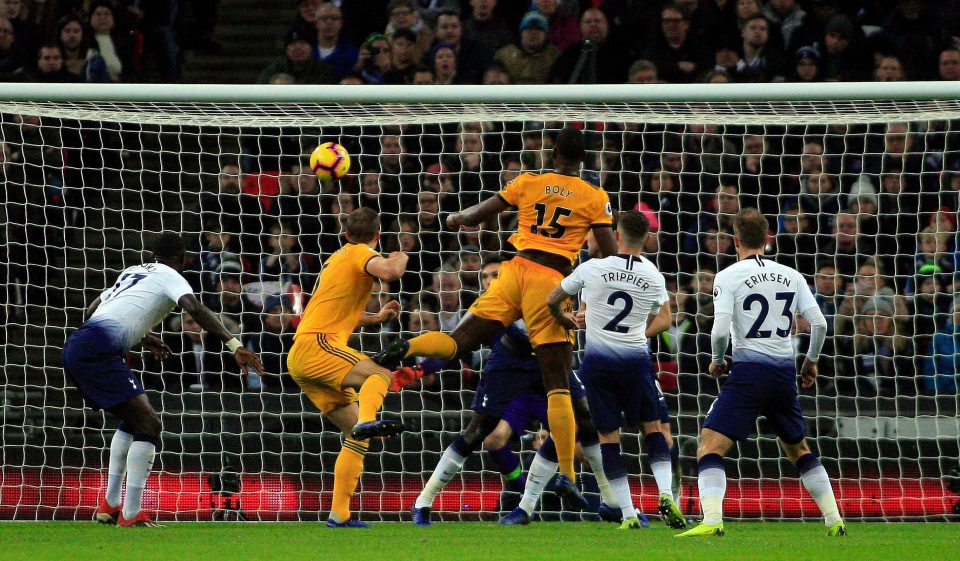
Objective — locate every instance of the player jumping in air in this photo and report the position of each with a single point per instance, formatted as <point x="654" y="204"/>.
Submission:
<point x="556" y="211"/>
<point x="509" y="396"/>
<point x="759" y="298"/>
<point x="622" y="293"/>
<point x="329" y="371"/>
<point x="94" y="358"/>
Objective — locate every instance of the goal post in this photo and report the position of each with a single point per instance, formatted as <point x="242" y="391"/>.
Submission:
<point x="859" y="181"/>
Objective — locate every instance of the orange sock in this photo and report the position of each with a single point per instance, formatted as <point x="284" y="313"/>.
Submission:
<point x="372" y="392"/>
<point x="346" y="474"/>
<point x="433" y="344"/>
<point x="563" y="428"/>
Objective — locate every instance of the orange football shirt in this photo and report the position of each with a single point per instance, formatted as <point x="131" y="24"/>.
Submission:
<point x="555" y="211"/>
<point x="341" y="294"/>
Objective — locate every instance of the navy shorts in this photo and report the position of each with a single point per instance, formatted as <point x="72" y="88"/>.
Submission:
<point x="98" y="368"/>
<point x="498" y="388"/>
<point x="529" y="406"/>
<point x="753" y="390"/>
<point x="621" y="396"/>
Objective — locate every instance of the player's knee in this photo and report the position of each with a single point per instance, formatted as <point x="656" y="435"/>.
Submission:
<point x="495" y="440"/>
<point x="796" y="451"/>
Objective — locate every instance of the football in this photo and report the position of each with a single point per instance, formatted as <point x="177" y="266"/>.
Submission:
<point x="330" y="161"/>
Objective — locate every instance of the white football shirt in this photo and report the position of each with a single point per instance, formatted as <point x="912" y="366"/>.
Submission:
<point x="620" y="292"/>
<point x="761" y="297"/>
<point x="142" y="296"/>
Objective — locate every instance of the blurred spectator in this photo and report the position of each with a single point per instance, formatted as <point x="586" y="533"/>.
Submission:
<point x="451" y="299"/>
<point x="879" y="358"/>
<point x="806" y="66"/>
<point x="306" y="18"/>
<point x="496" y="75"/>
<point x="917" y="35"/>
<point x="848" y="248"/>
<point x="889" y="69"/>
<point x="49" y="67"/>
<point x="299" y="62"/>
<point x="796" y="240"/>
<point x="28" y="34"/>
<point x="761" y="62"/>
<point x="930" y="305"/>
<point x="115" y="49"/>
<point x="423" y="75"/>
<point x="642" y="72"/>
<point x="216" y="248"/>
<point x="842" y="52"/>
<point x="564" y="30"/>
<point x="196" y="363"/>
<point x="332" y="49"/>
<point x="12" y="59"/>
<point x="81" y="59"/>
<point x="787" y="15"/>
<point x="272" y="345"/>
<point x="820" y="197"/>
<point x="231" y="210"/>
<point x="529" y="60"/>
<point x="285" y="261"/>
<point x="404" y="54"/>
<point x="869" y="282"/>
<point x="695" y="318"/>
<point x="229" y="299"/>
<point x="678" y="58"/>
<point x="486" y="28"/>
<point x="941" y="365"/>
<point x="476" y="58"/>
<point x="374" y="62"/>
<point x="443" y="60"/>
<point x="812" y="28"/>
<point x="828" y="290"/>
<point x="611" y="64"/>
<point x="403" y="14"/>
<point x="948" y="64"/>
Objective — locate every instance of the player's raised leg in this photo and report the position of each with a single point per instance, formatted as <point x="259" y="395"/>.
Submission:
<point x="817" y="483"/>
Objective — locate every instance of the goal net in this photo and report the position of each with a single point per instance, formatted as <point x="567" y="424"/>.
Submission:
<point x="860" y="190"/>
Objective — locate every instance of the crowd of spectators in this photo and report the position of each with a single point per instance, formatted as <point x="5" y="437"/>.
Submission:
<point x="102" y="41"/>
<point x="615" y="42"/>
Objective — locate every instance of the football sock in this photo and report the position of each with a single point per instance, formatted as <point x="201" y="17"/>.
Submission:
<point x="617" y="476"/>
<point x="119" y="447"/>
<point x="433" y="344"/>
<point x="595" y="458"/>
<point x="817" y="483"/>
<point x="712" y="482"/>
<point x="658" y="455"/>
<point x="540" y="473"/>
<point x="372" y="392"/>
<point x="548" y="450"/>
<point x="449" y="465"/>
<point x="508" y="462"/>
<point x="563" y="429"/>
<point x="675" y="465"/>
<point x="139" y="462"/>
<point x="346" y="474"/>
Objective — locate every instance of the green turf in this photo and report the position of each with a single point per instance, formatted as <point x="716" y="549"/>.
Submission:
<point x="473" y="540"/>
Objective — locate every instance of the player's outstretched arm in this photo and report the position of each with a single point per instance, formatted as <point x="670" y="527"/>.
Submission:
<point x="605" y="242"/>
<point x="555" y="303"/>
<point x="477" y="214"/>
<point x="207" y="320"/>
<point x="389" y="268"/>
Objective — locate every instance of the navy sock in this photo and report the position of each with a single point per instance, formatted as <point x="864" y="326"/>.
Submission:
<point x="612" y="462"/>
<point x="146" y="438"/>
<point x="124" y="428"/>
<point x="588" y="438"/>
<point x="710" y="461"/>
<point x="548" y="450"/>
<point x="807" y="462"/>
<point x="462" y="447"/>
<point x="655" y="444"/>
<point x="508" y="462"/>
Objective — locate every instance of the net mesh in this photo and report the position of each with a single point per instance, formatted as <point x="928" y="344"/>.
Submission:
<point x="862" y="198"/>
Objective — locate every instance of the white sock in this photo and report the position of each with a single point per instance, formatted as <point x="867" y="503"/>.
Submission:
<point x="119" y="447"/>
<point x="541" y="471"/>
<point x="139" y="463"/>
<point x="621" y="491"/>
<point x="817" y="483"/>
<point x="713" y="486"/>
<point x="595" y="459"/>
<point x="663" y="473"/>
<point x="448" y="466"/>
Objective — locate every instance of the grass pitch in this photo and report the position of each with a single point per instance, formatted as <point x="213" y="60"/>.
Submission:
<point x="580" y="541"/>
